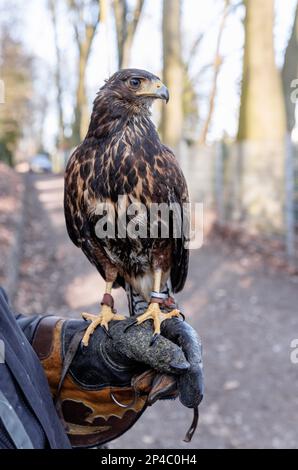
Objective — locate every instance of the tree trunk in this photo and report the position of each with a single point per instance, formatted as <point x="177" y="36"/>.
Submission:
<point x="81" y="122"/>
<point x="290" y="73"/>
<point x="173" y="73"/>
<point x="216" y="69"/>
<point x="262" y="126"/>
<point x="120" y="12"/>
<point x="84" y="35"/>
<point x="58" y="78"/>
<point x="126" y="29"/>
<point x="262" y="111"/>
<point x="80" y="125"/>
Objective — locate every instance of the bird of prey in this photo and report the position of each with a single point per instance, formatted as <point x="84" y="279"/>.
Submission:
<point x="122" y="155"/>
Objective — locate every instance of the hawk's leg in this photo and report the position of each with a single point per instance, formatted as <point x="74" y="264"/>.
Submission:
<point x="153" y="311"/>
<point x="106" y="315"/>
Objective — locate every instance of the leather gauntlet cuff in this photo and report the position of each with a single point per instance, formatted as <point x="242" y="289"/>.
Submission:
<point x="99" y="399"/>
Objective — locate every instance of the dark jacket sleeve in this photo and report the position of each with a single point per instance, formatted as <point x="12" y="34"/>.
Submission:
<point x="28" y="324"/>
<point x="23" y="372"/>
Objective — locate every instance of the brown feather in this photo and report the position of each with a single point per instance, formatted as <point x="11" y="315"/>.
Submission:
<point x="122" y="155"/>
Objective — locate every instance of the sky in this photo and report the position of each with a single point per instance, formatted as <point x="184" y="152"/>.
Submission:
<point x="198" y="16"/>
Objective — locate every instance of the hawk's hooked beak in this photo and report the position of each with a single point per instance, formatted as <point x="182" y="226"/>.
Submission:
<point x="155" y="89"/>
<point x="162" y="92"/>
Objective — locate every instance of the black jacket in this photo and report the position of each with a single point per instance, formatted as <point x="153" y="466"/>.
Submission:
<point x="24" y="387"/>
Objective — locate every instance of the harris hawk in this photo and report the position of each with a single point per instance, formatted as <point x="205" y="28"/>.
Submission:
<point x="122" y="155"/>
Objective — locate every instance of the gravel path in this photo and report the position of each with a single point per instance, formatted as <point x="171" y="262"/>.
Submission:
<point x="245" y="310"/>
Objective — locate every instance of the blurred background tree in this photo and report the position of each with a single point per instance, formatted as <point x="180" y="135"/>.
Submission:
<point x="290" y="73"/>
<point x="173" y="73"/>
<point x="85" y="17"/>
<point x="126" y="21"/>
<point x="17" y="74"/>
<point x="52" y="4"/>
<point x="262" y="125"/>
<point x="262" y="111"/>
<point x="216" y="69"/>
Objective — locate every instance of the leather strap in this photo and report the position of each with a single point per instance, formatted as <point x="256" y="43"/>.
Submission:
<point x="167" y="302"/>
<point x="155" y="300"/>
<point x="43" y="337"/>
<point x="193" y="426"/>
<point x="43" y="345"/>
<point x="69" y="357"/>
<point x="170" y="303"/>
<point x="108" y="300"/>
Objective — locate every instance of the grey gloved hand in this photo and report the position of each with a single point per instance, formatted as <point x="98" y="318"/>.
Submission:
<point x="190" y="384"/>
<point x="177" y="351"/>
<point x="164" y="356"/>
<point x="116" y="358"/>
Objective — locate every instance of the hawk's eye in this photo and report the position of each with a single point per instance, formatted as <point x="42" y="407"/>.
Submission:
<point x="135" y="82"/>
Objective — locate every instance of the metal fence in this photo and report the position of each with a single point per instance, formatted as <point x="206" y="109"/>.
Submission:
<point x="235" y="180"/>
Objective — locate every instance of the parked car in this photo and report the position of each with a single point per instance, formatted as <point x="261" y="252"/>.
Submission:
<point x="41" y="164"/>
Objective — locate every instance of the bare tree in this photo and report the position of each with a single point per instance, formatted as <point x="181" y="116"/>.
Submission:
<point x="173" y="73"/>
<point x="58" y="76"/>
<point x="40" y="104"/>
<point x="290" y="73"/>
<point x="85" y="20"/>
<point x="126" y="27"/>
<point x="216" y="69"/>
<point x="262" y="125"/>
<point x="262" y="111"/>
<point x="103" y="10"/>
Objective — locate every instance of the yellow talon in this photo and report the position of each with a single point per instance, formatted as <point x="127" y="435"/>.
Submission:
<point x="154" y="313"/>
<point x="103" y="320"/>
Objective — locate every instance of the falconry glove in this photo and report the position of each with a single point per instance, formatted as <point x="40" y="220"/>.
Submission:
<point x="102" y="390"/>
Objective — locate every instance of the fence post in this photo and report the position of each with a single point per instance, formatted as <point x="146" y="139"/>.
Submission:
<point x="289" y="198"/>
<point x="219" y="176"/>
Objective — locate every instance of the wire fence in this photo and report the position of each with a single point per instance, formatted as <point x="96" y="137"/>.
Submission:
<point x="253" y="186"/>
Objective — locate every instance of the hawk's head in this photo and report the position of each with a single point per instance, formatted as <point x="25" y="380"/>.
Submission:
<point x="127" y="93"/>
<point x="135" y="88"/>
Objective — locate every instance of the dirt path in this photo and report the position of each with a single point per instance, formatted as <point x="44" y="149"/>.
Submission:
<point x="246" y="313"/>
